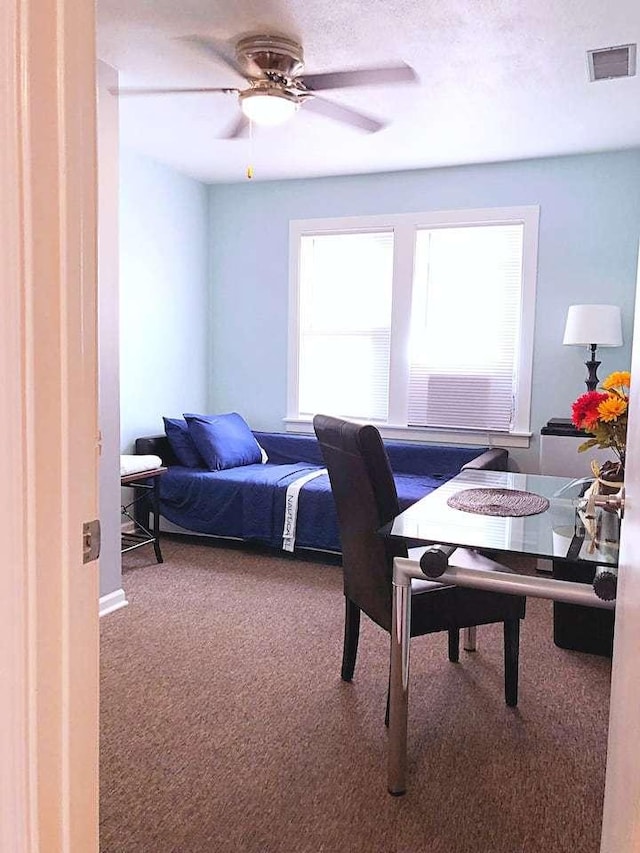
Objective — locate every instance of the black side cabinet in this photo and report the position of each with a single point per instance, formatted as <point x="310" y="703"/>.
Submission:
<point x="581" y="629"/>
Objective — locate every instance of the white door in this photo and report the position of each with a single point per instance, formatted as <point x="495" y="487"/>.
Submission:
<point x="621" y="819"/>
<point x="48" y="405"/>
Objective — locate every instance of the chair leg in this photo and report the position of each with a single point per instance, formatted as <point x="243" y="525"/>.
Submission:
<point x="351" y="634"/>
<point x="454" y="645"/>
<point x="511" y="651"/>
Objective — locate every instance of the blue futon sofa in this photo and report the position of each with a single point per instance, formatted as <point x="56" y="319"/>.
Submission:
<point x="286" y="502"/>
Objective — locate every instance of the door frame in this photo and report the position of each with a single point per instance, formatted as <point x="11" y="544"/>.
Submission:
<point x="48" y="384"/>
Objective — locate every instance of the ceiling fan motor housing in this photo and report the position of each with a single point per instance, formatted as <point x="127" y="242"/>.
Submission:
<point x="271" y="53"/>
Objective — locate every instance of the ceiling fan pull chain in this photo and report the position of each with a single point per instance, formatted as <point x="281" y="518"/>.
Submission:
<point x="250" y="166"/>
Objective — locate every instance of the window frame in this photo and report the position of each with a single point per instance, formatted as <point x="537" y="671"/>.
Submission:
<point x="404" y="227"/>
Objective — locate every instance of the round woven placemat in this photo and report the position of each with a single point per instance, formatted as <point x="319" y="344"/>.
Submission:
<point x="498" y="502"/>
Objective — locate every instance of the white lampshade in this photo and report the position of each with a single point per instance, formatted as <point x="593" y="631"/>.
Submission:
<point x="267" y="108"/>
<point x="593" y="324"/>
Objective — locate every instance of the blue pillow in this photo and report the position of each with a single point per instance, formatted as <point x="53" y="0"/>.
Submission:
<point x="223" y="441"/>
<point x="181" y="443"/>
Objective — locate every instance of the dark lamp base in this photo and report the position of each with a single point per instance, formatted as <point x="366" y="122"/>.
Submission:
<point x="592" y="370"/>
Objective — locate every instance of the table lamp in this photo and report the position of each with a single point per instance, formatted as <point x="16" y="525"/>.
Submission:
<point x="593" y="326"/>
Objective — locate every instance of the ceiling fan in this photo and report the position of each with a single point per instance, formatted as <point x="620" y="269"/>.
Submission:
<point x="276" y="88"/>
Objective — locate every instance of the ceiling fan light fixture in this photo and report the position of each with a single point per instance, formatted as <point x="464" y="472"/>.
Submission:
<point x="268" y="108"/>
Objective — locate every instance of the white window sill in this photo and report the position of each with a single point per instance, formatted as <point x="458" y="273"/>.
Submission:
<point x="403" y="433"/>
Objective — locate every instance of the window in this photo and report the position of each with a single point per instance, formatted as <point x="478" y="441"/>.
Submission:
<point x="345" y="323"/>
<point x="416" y="322"/>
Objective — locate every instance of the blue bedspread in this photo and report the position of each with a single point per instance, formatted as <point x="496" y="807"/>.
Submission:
<point x="248" y="502"/>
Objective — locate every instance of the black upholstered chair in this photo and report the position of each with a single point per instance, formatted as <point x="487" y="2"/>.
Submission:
<point x="366" y="499"/>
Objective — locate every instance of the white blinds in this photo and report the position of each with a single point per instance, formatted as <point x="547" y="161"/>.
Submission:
<point x="345" y="324"/>
<point x="465" y="327"/>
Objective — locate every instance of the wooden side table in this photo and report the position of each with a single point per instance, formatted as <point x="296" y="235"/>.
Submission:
<point x="146" y="520"/>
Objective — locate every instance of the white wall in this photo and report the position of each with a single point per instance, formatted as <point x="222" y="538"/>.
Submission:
<point x="163" y="296"/>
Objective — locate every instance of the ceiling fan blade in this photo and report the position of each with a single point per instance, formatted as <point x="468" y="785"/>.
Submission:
<point x="221" y="51"/>
<point x="206" y="90"/>
<point x="359" y="77"/>
<point x="330" y="109"/>
<point x="238" y="128"/>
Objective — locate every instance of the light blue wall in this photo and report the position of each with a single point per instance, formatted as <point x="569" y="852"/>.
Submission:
<point x="163" y="296"/>
<point x="589" y="230"/>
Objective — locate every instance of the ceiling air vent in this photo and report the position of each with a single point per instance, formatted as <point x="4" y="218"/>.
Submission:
<point x="610" y="62"/>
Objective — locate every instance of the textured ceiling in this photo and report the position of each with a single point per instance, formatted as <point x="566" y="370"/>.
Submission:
<point x="499" y="80"/>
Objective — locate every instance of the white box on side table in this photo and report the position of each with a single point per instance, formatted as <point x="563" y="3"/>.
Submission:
<point x="559" y="443"/>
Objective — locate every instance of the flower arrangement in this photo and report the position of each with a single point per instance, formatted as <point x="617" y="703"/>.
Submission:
<point x="604" y="415"/>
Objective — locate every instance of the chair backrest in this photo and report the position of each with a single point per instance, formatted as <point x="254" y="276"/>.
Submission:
<point x="365" y="496"/>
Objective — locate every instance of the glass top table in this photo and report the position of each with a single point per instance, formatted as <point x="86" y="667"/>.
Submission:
<point x="558" y="533"/>
<point x="473" y="547"/>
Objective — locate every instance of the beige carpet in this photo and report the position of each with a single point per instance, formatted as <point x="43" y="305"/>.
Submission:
<point x="226" y="728"/>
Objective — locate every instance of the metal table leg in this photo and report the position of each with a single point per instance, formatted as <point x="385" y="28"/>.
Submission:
<point x="399" y="681"/>
<point x="469" y="638"/>
<point x="473" y="571"/>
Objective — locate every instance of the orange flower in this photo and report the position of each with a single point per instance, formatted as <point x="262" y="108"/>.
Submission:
<point x="611" y="408"/>
<point x="619" y="380"/>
